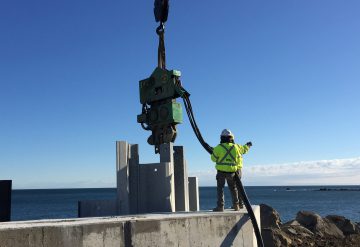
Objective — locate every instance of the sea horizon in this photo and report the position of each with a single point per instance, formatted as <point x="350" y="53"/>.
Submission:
<point x="205" y="186"/>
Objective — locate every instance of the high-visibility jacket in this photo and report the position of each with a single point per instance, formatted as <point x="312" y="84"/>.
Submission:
<point x="228" y="156"/>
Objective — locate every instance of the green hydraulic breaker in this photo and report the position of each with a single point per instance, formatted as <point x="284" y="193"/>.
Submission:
<point x="160" y="112"/>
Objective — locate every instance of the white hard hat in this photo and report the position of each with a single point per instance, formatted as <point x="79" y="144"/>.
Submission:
<point x="227" y="132"/>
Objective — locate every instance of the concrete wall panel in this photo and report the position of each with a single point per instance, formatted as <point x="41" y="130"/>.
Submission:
<point x="134" y="179"/>
<point x="181" y="180"/>
<point x="60" y="234"/>
<point x="194" y="204"/>
<point x="156" y="188"/>
<point x="5" y="200"/>
<point x="27" y="237"/>
<point x="122" y="176"/>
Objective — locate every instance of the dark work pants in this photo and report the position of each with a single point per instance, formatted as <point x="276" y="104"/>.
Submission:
<point x="229" y="177"/>
<point x="241" y="201"/>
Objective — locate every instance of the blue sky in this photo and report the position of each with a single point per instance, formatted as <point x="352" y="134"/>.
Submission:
<point x="284" y="74"/>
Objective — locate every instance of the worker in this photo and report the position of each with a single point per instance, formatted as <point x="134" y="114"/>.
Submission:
<point x="228" y="158"/>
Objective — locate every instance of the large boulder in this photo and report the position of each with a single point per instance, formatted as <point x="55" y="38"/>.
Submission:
<point x="318" y="225"/>
<point x="269" y="217"/>
<point x="345" y="225"/>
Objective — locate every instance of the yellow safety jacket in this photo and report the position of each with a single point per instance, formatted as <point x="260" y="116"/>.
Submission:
<point x="228" y="156"/>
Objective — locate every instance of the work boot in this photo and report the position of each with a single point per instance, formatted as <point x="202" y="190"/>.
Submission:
<point x="236" y="207"/>
<point x="241" y="205"/>
<point x="219" y="209"/>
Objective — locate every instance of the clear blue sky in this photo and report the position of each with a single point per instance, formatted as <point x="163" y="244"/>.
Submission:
<point x="284" y="74"/>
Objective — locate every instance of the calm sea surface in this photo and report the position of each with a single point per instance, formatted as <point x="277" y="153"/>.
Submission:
<point x="62" y="203"/>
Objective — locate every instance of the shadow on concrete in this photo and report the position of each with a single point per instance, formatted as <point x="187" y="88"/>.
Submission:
<point x="230" y="237"/>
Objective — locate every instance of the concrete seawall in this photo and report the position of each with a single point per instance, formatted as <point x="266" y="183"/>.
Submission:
<point x="204" y="228"/>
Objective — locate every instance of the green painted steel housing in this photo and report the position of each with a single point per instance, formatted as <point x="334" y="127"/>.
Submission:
<point x="159" y="86"/>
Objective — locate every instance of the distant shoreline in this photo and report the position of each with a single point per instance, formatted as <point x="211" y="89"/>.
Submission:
<point x="286" y="187"/>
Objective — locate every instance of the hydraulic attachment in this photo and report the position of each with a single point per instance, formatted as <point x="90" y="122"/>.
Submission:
<point x="160" y="111"/>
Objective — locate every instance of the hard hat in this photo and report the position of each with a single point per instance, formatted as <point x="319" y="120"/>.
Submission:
<point x="227" y="132"/>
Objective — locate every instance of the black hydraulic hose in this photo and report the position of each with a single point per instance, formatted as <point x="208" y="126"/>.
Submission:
<point x="197" y="132"/>
<point x="209" y="149"/>
<point x="190" y="113"/>
<point x="241" y="189"/>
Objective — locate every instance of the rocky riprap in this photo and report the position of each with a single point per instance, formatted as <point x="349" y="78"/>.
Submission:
<point x="308" y="229"/>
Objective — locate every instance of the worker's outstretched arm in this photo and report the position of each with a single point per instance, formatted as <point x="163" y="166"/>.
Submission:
<point x="244" y="148"/>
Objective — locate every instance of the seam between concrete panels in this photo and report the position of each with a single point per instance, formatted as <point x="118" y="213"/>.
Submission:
<point x="42" y="236"/>
<point x="128" y="234"/>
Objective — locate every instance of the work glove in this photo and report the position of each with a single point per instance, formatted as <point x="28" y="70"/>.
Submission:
<point x="249" y="144"/>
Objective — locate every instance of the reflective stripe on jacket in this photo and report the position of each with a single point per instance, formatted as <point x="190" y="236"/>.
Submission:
<point x="228" y="156"/>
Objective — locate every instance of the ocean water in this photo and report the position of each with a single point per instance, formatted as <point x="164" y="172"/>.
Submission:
<point x="62" y="203"/>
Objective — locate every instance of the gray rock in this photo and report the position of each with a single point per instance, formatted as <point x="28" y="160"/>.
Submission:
<point x="292" y="230"/>
<point x="318" y="225"/>
<point x="345" y="225"/>
<point x="297" y="230"/>
<point x="269" y="217"/>
<point x="292" y="223"/>
<point x="269" y="238"/>
<point x="274" y="237"/>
